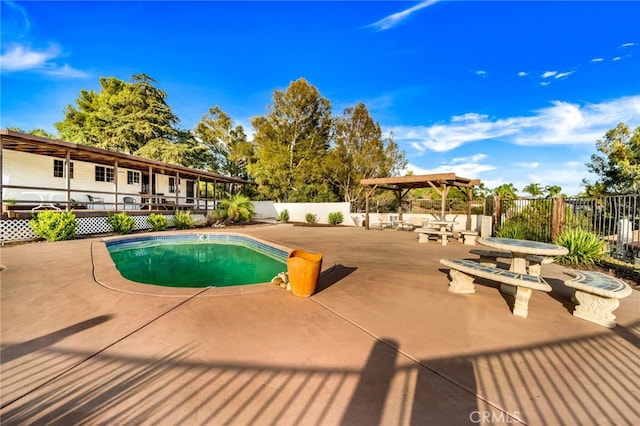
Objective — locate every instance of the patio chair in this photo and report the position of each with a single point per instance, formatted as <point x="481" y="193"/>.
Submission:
<point x="129" y="201"/>
<point x="95" y="200"/>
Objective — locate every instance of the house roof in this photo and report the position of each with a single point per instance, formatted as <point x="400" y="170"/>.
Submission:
<point x="23" y="142"/>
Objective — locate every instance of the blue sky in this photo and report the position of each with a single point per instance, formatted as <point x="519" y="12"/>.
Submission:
<point x="506" y="92"/>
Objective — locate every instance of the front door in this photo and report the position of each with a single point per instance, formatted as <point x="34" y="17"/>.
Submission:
<point x="145" y="183"/>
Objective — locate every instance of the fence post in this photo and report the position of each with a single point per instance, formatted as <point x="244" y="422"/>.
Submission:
<point x="497" y="212"/>
<point x="557" y="216"/>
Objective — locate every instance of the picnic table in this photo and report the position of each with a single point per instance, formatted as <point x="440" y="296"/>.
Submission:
<point x="520" y="250"/>
<point x="443" y="229"/>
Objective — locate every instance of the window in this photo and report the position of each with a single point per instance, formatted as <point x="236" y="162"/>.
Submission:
<point x="58" y="169"/>
<point x="104" y="174"/>
<point x="133" y="178"/>
<point x="172" y="185"/>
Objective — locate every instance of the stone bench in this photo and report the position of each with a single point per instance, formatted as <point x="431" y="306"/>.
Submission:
<point x="468" y="237"/>
<point x="597" y="296"/>
<point x="463" y="271"/>
<point x="490" y="258"/>
<point x="425" y="233"/>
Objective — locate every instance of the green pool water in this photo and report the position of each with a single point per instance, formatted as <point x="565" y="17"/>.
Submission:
<point x="196" y="265"/>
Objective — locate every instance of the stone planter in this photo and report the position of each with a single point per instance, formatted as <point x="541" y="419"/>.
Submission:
<point x="304" y="270"/>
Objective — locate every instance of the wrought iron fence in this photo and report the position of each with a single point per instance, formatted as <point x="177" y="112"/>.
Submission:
<point x="616" y="219"/>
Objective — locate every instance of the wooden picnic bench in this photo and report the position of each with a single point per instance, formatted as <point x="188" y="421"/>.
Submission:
<point x="463" y="271"/>
<point x="597" y="296"/>
<point x="490" y="258"/>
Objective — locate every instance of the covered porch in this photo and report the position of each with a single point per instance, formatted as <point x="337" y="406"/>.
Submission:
<point x="67" y="176"/>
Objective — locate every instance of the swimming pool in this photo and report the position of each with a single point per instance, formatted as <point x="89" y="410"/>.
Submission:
<point x="197" y="260"/>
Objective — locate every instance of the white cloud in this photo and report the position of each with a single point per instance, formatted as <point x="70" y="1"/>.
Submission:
<point x="562" y="123"/>
<point x="396" y="18"/>
<point x="617" y="58"/>
<point x="460" y="169"/>
<point x="597" y="60"/>
<point x="532" y="165"/>
<point x="548" y="74"/>
<point x="17" y="57"/>
<point x="522" y="74"/>
<point x="563" y="74"/>
<point x="627" y="44"/>
<point x="481" y="73"/>
<point x="472" y="159"/>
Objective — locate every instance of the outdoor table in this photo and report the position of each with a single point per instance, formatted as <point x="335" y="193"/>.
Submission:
<point x="520" y="249"/>
<point x="44" y="204"/>
<point x="444" y="224"/>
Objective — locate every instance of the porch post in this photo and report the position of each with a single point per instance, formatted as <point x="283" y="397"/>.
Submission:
<point x="177" y="189"/>
<point x="115" y="183"/>
<point x="198" y="194"/>
<point x="67" y="166"/>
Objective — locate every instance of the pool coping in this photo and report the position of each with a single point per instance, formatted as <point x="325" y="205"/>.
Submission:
<point x="107" y="275"/>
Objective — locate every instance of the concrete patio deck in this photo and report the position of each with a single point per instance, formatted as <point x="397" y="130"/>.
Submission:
<point x="381" y="342"/>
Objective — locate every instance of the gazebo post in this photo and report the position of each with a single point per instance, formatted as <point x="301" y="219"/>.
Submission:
<point x="366" y="204"/>
<point x="444" y="194"/>
<point x="398" y="194"/>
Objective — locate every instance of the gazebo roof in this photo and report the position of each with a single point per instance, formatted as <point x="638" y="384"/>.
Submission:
<point x="420" y="181"/>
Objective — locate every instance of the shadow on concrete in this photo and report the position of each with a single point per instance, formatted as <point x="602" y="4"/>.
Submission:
<point x="18" y="350"/>
<point x="369" y="398"/>
<point x="586" y="380"/>
<point x="332" y="276"/>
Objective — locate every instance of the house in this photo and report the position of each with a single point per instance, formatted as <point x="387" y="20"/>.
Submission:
<point x="44" y="173"/>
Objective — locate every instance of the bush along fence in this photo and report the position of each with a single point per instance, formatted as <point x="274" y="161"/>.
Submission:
<point x="615" y="219"/>
<point x="16" y="230"/>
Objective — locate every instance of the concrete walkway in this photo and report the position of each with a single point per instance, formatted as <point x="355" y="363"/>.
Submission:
<point x="381" y="342"/>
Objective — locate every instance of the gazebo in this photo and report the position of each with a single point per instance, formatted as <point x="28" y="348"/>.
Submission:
<point x="401" y="185"/>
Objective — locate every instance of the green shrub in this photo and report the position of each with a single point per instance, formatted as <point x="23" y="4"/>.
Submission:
<point x="513" y="229"/>
<point x="311" y="218"/>
<point x="237" y="208"/>
<point x="53" y="225"/>
<point x="284" y="215"/>
<point x="183" y="220"/>
<point x="336" y="218"/>
<point x="585" y="248"/>
<point x="158" y="222"/>
<point x="121" y="222"/>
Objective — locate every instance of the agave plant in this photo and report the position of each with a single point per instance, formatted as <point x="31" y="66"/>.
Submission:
<point x="585" y="248"/>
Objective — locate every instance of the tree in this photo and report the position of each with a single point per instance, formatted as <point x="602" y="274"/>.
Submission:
<point x="123" y="117"/>
<point x="224" y="147"/>
<point x="35" y="132"/>
<point x="290" y="144"/>
<point x="552" y="190"/>
<point x="619" y="164"/>
<point x="595" y="190"/>
<point x="360" y="152"/>
<point x="481" y="191"/>
<point x="533" y="189"/>
<point x="506" y="191"/>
